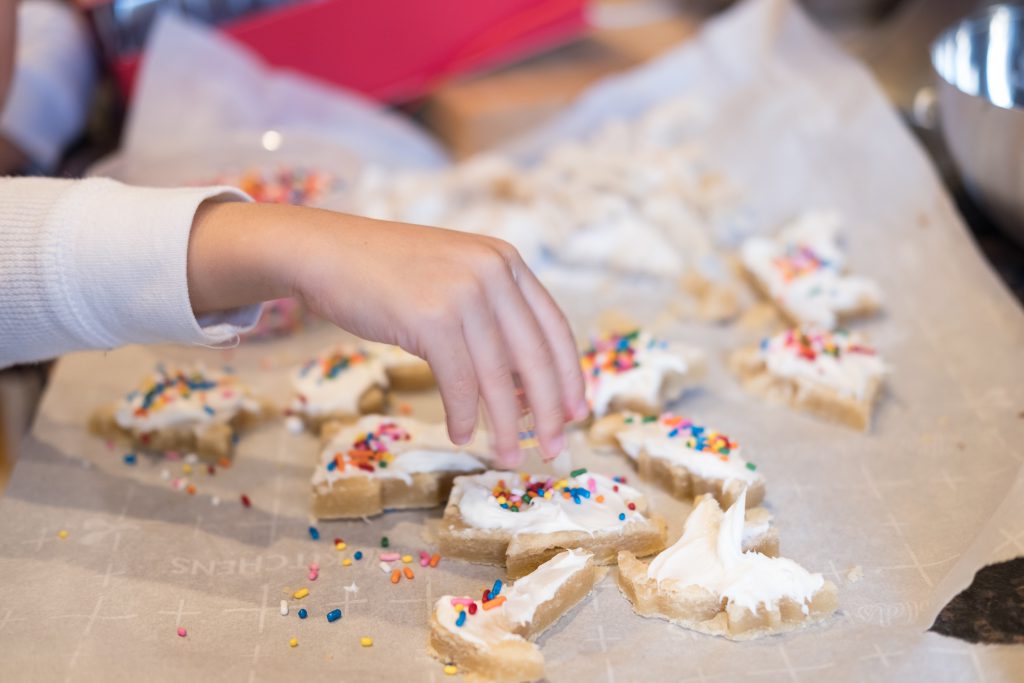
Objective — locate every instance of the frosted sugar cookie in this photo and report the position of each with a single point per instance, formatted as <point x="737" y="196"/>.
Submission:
<point x="193" y="410"/>
<point x="383" y="462"/>
<point x="803" y="272"/>
<point x="834" y="375"/>
<point x="634" y="371"/>
<point x="684" y="458"/>
<point x="340" y="383"/>
<point x="490" y="638"/>
<point x="522" y="520"/>
<point x="708" y="583"/>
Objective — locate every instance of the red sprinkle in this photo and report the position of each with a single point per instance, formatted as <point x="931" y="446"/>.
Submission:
<point x="487" y="595"/>
<point x="472" y="608"/>
<point x="245" y="501"/>
<point x="632" y="506"/>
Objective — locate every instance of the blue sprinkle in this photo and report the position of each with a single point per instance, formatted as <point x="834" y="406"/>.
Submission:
<point x="303" y="613"/>
<point x="208" y="410"/>
<point x="696" y="431"/>
<point x="334" y="615"/>
<point x="674" y="433"/>
<point x="358" y="555"/>
<point x="622" y="516"/>
<point x="461" y="619"/>
<point x="130" y="459"/>
<point x="764" y="344"/>
<point x="314" y="534"/>
<point x="331" y="466"/>
<point x="496" y="588"/>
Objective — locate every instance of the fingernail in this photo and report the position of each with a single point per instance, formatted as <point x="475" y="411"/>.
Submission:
<point x="459" y="439"/>
<point x="554" y="446"/>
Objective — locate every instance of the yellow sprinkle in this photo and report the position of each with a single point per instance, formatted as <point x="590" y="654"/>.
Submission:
<point x="340" y="545"/>
<point x="366" y="641"/>
<point x="347" y="562"/>
<point x="301" y="593"/>
<point x="186" y="468"/>
<point x="459" y="608"/>
<point x="294" y="642"/>
<point x="407" y="558"/>
<point x="502" y="500"/>
<point x="63" y="533"/>
<point x="450" y="670"/>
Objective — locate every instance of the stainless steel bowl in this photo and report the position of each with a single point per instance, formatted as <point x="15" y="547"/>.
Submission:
<point x="980" y="64"/>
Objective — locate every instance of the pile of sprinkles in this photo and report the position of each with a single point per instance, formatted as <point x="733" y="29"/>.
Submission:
<point x="517" y="497"/>
<point x="370" y="450"/>
<point x="167" y="386"/>
<point x="697" y="437"/>
<point x="333" y="364"/>
<point x="614" y="353"/>
<point x="798" y="261"/>
<point x="810" y="345"/>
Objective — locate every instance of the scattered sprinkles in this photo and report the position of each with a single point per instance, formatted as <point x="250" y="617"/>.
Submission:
<point x="301" y="593"/>
<point x="62" y="534"/>
<point x="182" y="632"/>
<point x="314" y="533"/>
<point x="294" y="642"/>
<point x="303" y="613"/>
<point x="366" y="641"/>
<point x="245" y="501"/>
<point x="130" y="459"/>
<point x="334" y="615"/>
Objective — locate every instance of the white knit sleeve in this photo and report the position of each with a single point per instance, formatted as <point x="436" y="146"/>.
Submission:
<point x="97" y="264"/>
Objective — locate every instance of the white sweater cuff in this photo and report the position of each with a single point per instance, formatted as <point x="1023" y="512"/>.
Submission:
<point x="126" y="265"/>
<point x="97" y="264"/>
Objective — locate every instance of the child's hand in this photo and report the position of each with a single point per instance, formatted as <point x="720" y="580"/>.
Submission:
<point x="465" y="303"/>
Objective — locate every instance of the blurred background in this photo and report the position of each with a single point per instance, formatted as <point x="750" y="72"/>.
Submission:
<point x="445" y="79"/>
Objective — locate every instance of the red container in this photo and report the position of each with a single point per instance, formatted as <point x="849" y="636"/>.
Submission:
<point x="392" y="50"/>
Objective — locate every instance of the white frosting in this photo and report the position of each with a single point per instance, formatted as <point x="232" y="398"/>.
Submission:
<point x="817" y="293"/>
<point x="522" y="599"/>
<point x="659" y="373"/>
<point x="479" y="508"/>
<point x="427" y="449"/>
<point x="850" y="373"/>
<point x="671" y="438"/>
<point x="319" y="393"/>
<point x="710" y="555"/>
<point x="191" y="397"/>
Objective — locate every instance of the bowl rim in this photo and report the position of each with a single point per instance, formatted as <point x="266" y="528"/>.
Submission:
<point x="975" y="22"/>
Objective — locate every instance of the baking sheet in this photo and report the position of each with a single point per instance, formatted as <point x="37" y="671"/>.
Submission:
<point x="935" y="492"/>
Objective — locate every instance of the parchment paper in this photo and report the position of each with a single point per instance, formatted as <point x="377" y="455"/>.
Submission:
<point x="932" y="494"/>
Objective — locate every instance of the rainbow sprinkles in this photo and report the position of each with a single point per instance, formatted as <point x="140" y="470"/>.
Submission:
<point x="635" y="371"/>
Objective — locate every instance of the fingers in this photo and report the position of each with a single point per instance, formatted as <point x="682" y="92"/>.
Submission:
<point x="494" y="371"/>
<point x="457" y="381"/>
<point x="531" y="356"/>
<point x="560" y="341"/>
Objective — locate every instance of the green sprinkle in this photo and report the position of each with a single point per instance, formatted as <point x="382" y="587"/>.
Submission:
<point x="629" y="420"/>
<point x="576" y="473"/>
<point x="384" y="542"/>
<point x="751" y="466"/>
<point x="650" y="418"/>
<point x="382" y="463"/>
